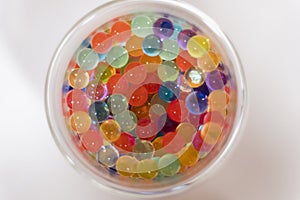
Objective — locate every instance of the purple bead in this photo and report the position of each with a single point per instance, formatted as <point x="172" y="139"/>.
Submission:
<point x="163" y="28"/>
<point x="214" y="80"/>
<point x="197" y="141"/>
<point x="184" y="36"/>
<point x="224" y="77"/>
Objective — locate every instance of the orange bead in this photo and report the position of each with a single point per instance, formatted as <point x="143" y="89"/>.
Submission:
<point x="117" y="83"/>
<point x="151" y="63"/>
<point x="135" y="73"/>
<point x="101" y="42"/>
<point x="134" y="46"/>
<point x="185" y="61"/>
<point x="139" y="97"/>
<point x="120" y="31"/>
<point x="80" y="121"/>
<point x="189" y="157"/>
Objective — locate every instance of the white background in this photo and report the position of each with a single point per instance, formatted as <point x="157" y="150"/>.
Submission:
<point x="265" y="163"/>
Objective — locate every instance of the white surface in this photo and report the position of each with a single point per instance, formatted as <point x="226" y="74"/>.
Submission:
<point x="264" y="165"/>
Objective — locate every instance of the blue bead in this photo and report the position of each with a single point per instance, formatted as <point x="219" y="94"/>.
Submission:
<point x="152" y="45"/>
<point x="169" y="91"/>
<point x="163" y="28"/>
<point x="99" y="111"/>
<point x="203" y="89"/>
<point x="196" y="103"/>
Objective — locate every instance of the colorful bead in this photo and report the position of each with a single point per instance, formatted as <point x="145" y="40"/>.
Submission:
<point x="209" y="62"/>
<point x="127" y="120"/>
<point x="194" y="77"/>
<point x="91" y="141"/>
<point x="87" y="59"/>
<point x="101" y="42"/>
<point x="189" y="157"/>
<point x="168" y="71"/>
<point x="210" y="133"/>
<point x="152" y="45"/>
<point x="198" y="45"/>
<point x="99" y="111"/>
<point x="143" y="150"/>
<point x="108" y="155"/>
<point x="163" y="28"/>
<point x="78" y="78"/>
<point x="170" y="50"/>
<point x="196" y="103"/>
<point x="80" y="122"/>
<point x="77" y="100"/>
<point x="111" y="130"/>
<point x="187" y="131"/>
<point x="120" y="31"/>
<point x="117" y="103"/>
<point x="214" y="80"/>
<point x="96" y="90"/>
<point x="135" y="73"/>
<point x="134" y="46"/>
<point x="169" y="91"/>
<point x="142" y="26"/>
<point x="177" y="111"/>
<point x="185" y="61"/>
<point x="169" y="165"/>
<point x="126" y="165"/>
<point x="184" y="36"/>
<point x="103" y="72"/>
<point x="125" y="143"/>
<point x="172" y="142"/>
<point x="117" y="57"/>
<point x="116" y="84"/>
<point x="139" y="97"/>
<point x="147" y="169"/>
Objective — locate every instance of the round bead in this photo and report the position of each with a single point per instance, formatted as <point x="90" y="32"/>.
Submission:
<point x="209" y="62"/>
<point x="194" y="77"/>
<point x="187" y="131"/>
<point x="135" y="73"/>
<point x="196" y="103"/>
<point x="127" y="120"/>
<point x="126" y="165"/>
<point x="99" y="111"/>
<point x="143" y="150"/>
<point x="80" y="121"/>
<point x="218" y="99"/>
<point x="134" y="46"/>
<point x="108" y="156"/>
<point x="139" y="97"/>
<point x="141" y="112"/>
<point x="198" y="45"/>
<point x="87" y="59"/>
<point x="169" y="91"/>
<point x="157" y="100"/>
<point x="168" y="71"/>
<point x="173" y="142"/>
<point x="117" y="103"/>
<point x="147" y="169"/>
<point x="152" y="45"/>
<point x="91" y="141"/>
<point x="142" y="26"/>
<point x="163" y="28"/>
<point x="184" y="36"/>
<point x="183" y="85"/>
<point x="120" y="31"/>
<point x="214" y="80"/>
<point x="116" y="84"/>
<point x="210" y="133"/>
<point x="77" y="100"/>
<point x="111" y="130"/>
<point x="189" y="157"/>
<point x="101" y="42"/>
<point x="185" y="61"/>
<point x="125" y="143"/>
<point x="169" y="165"/>
<point x="96" y="90"/>
<point x="78" y="78"/>
<point x="150" y="63"/>
<point x="170" y="49"/>
<point x="177" y="111"/>
<point x="103" y="72"/>
<point x="117" y="57"/>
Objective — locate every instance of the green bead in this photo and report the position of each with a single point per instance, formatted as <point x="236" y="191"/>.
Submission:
<point x="168" y="71"/>
<point x="127" y="120"/>
<point x="169" y="165"/>
<point x="87" y="59"/>
<point x="170" y="49"/>
<point x="142" y="26"/>
<point x="117" y="103"/>
<point x="117" y="57"/>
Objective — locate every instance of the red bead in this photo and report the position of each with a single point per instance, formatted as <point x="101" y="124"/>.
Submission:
<point x="173" y="142"/>
<point x="92" y="141"/>
<point x="120" y="31"/>
<point x="101" y="42"/>
<point x="117" y="83"/>
<point x="125" y="142"/>
<point x="139" y="97"/>
<point x="77" y="100"/>
<point x="184" y="61"/>
<point x="146" y="129"/>
<point x="135" y="73"/>
<point x="177" y="111"/>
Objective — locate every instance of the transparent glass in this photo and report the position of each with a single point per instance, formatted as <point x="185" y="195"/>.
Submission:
<point x="55" y="81"/>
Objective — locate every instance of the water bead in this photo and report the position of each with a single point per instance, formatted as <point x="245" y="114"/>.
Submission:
<point x="98" y="111"/>
<point x="215" y="117"/>
<point x="141" y="112"/>
<point x="177" y="30"/>
<point x="101" y="42"/>
<point x="209" y="62"/>
<point x="143" y="150"/>
<point x="203" y="89"/>
<point x="163" y="28"/>
<point x="147" y="169"/>
<point x="87" y="59"/>
<point x="80" y="121"/>
<point x="91" y="141"/>
<point x="197" y="141"/>
<point x="194" y="77"/>
<point x="214" y="80"/>
<point x="177" y="111"/>
<point x="116" y="84"/>
<point x="120" y="31"/>
<point x="127" y="120"/>
<point x="184" y="36"/>
<point x="111" y="130"/>
<point x="152" y="45"/>
<point x="126" y="165"/>
<point x="189" y="157"/>
<point x="157" y="100"/>
<point x="210" y="133"/>
<point x="125" y="143"/>
<point x="150" y="63"/>
<point x="134" y="46"/>
<point x="77" y="100"/>
<point x="168" y="71"/>
<point x="135" y="73"/>
<point x="169" y="165"/>
<point x="196" y="103"/>
<point x="108" y="155"/>
<point x="218" y="99"/>
<point x="183" y="85"/>
<point x="169" y="91"/>
<point x="142" y="26"/>
<point x="185" y="61"/>
<point x="117" y="57"/>
<point x="96" y="90"/>
<point x="187" y="131"/>
<point x="78" y="78"/>
<point x="103" y="72"/>
<point x="172" y="142"/>
<point x="117" y="103"/>
<point x="170" y="49"/>
<point x="139" y="97"/>
<point x="198" y="46"/>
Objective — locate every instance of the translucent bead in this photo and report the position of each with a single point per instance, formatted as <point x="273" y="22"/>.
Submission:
<point x="169" y="91"/>
<point x="99" y="111"/>
<point x="173" y="142"/>
<point x="189" y="157"/>
<point x="117" y="103"/>
<point x="184" y="36"/>
<point x="168" y="71"/>
<point x="194" y="77"/>
<point x="116" y="84"/>
<point x="87" y="59"/>
<point x="177" y="30"/>
<point x="103" y="72"/>
<point x="197" y="141"/>
<point x="96" y="90"/>
<point x="170" y="49"/>
<point x="169" y="165"/>
<point x="150" y="63"/>
<point x="196" y="103"/>
<point x="91" y="141"/>
<point x="78" y="78"/>
<point x="218" y="99"/>
<point x="134" y="46"/>
<point x="147" y="169"/>
<point x="183" y="85"/>
<point x="135" y="73"/>
<point x="214" y="80"/>
<point x="187" y="131"/>
<point x="111" y="130"/>
<point x="80" y="121"/>
<point x="143" y="150"/>
<point x="139" y="97"/>
<point x="177" y="111"/>
<point x="142" y="26"/>
<point x="185" y="61"/>
<point x="120" y="31"/>
<point x="117" y="57"/>
<point x="152" y="45"/>
<point x="210" y="133"/>
<point x="215" y="117"/>
<point x="101" y="42"/>
<point x="127" y="120"/>
<point x="126" y="165"/>
<point x="141" y="112"/>
<point x="77" y="100"/>
<point x="125" y="143"/>
<point x="108" y="155"/>
<point x="163" y="28"/>
<point x="198" y="46"/>
<point x="209" y="62"/>
<point x="157" y="100"/>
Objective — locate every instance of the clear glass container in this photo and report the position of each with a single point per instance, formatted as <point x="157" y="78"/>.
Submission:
<point x="56" y="78"/>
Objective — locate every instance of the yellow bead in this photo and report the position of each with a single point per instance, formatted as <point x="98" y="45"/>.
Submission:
<point x="209" y="62"/>
<point x="187" y="131"/>
<point x="134" y="46"/>
<point x="198" y="46"/>
<point x="103" y="72"/>
<point x="218" y="100"/>
<point x="189" y="157"/>
<point x="111" y="130"/>
<point x="78" y="78"/>
<point x="80" y="121"/>
<point x="143" y="150"/>
<point x="210" y="133"/>
<point x="147" y="169"/>
<point x="194" y="77"/>
<point x="127" y="165"/>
